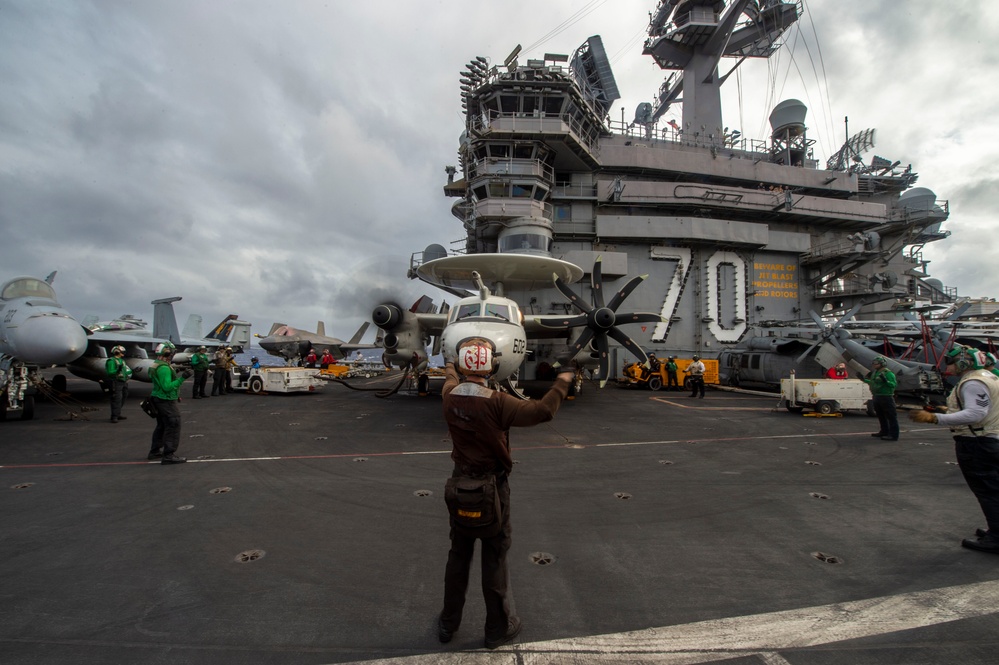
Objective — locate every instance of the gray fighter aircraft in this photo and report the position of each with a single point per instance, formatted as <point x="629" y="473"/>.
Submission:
<point x="139" y="341"/>
<point x="293" y="344"/>
<point x="35" y="332"/>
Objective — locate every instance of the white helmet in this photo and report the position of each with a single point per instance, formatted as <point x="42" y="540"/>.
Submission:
<point x="165" y="349"/>
<point x="475" y="357"/>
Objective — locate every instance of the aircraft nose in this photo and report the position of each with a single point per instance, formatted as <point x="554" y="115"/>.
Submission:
<point x="50" y="340"/>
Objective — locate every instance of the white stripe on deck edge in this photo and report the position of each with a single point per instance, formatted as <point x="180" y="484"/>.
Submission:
<point x="762" y="635"/>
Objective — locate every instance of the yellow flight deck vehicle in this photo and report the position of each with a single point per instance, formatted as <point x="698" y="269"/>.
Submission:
<point x="635" y="374"/>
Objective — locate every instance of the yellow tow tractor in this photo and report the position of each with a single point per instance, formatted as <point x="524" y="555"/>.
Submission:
<point x="635" y="374"/>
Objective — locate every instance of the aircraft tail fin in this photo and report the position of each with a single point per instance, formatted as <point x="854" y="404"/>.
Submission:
<point x="321" y="329"/>
<point x="51" y="277"/>
<point x="423" y="305"/>
<point x="89" y="320"/>
<point x="221" y="332"/>
<point x="239" y="334"/>
<point x="164" y="319"/>
<point x="274" y="327"/>
<point x="356" y="339"/>
<point x="193" y="326"/>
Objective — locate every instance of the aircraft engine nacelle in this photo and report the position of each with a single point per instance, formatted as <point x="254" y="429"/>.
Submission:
<point x="387" y="316"/>
<point x="140" y="368"/>
<point x="95" y="369"/>
<point x="403" y="342"/>
<point x="89" y="367"/>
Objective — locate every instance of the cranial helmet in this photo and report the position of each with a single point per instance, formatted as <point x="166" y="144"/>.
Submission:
<point x="164" y="349"/>
<point x="475" y="357"/>
<point x="117" y="348"/>
<point x="841" y="366"/>
<point x="880" y="360"/>
<point x="990" y="360"/>
<point x="697" y="357"/>
<point x="964" y="358"/>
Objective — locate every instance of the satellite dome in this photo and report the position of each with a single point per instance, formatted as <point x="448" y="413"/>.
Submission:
<point x="434" y="251"/>
<point x="918" y="198"/>
<point x="788" y="115"/>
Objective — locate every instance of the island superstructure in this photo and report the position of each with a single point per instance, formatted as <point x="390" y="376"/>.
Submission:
<point x="734" y="233"/>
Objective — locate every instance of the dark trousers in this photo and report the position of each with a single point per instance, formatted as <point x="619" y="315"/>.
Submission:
<point x="495" y="577"/>
<point x="166" y="436"/>
<point x="671" y="383"/>
<point x="119" y="393"/>
<point x="200" y="382"/>
<point x="696" y="384"/>
<point x="979" y="462"/>
<point x="884" y="408"/>
<point x="218" y="381"/>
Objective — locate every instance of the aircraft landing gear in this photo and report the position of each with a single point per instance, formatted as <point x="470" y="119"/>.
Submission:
<point x="13" y="396"/>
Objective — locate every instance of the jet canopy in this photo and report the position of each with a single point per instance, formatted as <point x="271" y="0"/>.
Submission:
<point x="27" y="287"/>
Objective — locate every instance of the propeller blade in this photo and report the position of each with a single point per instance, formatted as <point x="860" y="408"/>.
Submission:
<point x="562" y="324"/>
<point x="597" y="283"/>
<point x="625" y="292"/>
<point x="571" y="295"/>
<point x="581" y="341"/>
<point x="804" y="354"/>
<point x="818" y="319"/>
<point x="639" y="317"/>
<point x="622" y="338"/>
<point x="849" y="315"/>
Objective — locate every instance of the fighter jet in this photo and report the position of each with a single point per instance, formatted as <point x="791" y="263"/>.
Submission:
<point x="293" y="344"/>
<point x="35" y="332"/>
<point x="139" y="341"/>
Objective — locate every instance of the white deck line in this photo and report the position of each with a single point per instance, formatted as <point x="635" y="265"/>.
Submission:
<point x="762" y="635"/>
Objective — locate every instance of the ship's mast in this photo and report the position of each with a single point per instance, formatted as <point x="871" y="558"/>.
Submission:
<point x="693" y="35"/>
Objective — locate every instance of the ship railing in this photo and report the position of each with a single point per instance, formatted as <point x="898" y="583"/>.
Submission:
<point x="574" y="191"/>
<point x="936" y="210"/>
<point x="417" y="259"/>
<point x="739" y="146"/>
<point x="511" y="166"/>
<point x="844" y="286"/>
<point x="537" y="122"/>
<point x="837" y="247"/>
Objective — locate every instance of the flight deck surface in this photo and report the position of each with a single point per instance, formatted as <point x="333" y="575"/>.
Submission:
<point x="648" y="527"/>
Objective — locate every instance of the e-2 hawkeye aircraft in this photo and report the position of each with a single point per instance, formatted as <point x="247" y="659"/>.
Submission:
<point x="35" y="332"/>
<point x="488" y="314"/>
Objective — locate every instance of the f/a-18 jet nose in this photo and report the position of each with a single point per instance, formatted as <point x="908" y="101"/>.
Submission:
<point x="50" y="339"/>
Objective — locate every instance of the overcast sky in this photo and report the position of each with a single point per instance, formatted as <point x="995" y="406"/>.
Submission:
<point x="282" y="160"/>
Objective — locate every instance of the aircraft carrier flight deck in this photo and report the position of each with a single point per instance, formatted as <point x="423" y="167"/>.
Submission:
<point x="648" y="527"/>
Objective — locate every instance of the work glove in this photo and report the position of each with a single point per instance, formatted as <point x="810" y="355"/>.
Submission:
<point x="187" y="374"/>
<point x="923" y="417"/>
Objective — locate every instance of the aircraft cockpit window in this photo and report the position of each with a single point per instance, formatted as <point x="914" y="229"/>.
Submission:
<point x="28" y="288"/>
<point x="499" y="311"/>
<point x="465" y="311"/>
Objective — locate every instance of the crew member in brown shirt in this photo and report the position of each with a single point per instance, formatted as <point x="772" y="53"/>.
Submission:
<point x="479" y="421"/>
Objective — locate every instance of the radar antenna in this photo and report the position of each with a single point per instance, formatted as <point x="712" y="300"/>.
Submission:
<point x="856" y="145"/>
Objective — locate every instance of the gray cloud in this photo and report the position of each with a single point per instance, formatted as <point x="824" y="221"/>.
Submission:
<point x="283" y="161"/>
